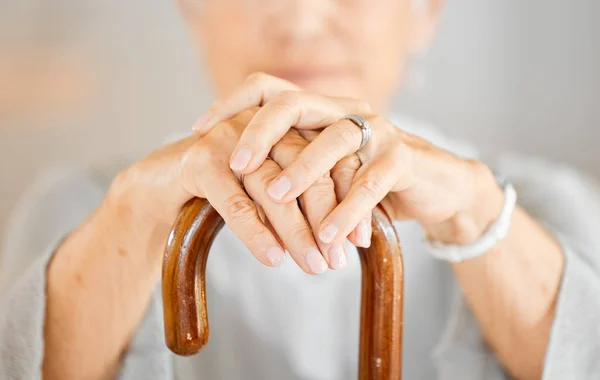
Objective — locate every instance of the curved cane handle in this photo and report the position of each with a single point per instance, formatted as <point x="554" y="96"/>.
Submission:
<point x="184" y="296"/>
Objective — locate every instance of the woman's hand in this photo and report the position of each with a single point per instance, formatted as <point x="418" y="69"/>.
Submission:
<point x="411" y="178"/>
<point x="453" y="199"/>
<point x="157" y="187"/>
<point x="111" y="263"/>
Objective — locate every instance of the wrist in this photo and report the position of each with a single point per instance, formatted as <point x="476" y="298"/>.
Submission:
<point x="132" y="222"/>
<point x="481" y="208"/>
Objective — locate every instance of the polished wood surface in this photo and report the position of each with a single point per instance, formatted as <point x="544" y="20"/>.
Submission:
<point x="184" y="294"/>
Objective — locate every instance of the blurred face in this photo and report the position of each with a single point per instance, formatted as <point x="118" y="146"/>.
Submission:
<point x="351" y="48"/>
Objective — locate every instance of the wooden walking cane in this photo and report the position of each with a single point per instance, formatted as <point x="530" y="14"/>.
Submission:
<point x="184" y="295"/>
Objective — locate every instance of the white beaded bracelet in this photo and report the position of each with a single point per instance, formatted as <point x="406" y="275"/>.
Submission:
<point x="494" y="233"/>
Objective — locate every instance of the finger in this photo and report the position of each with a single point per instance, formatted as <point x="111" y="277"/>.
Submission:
<point x="318" y="200"/>
<point x="308" y="134"/>
<point x="267" y="223"/>
<point x="343" y="174"/>
<point x="318" y="158"/>
<point x="257" y="89"/>
<point x="287" y="220"/>
<point x="240" y="213"/>
<point x="301" y="110"/>
<point x="316" y="203"/>
<point x="371" y="184"/>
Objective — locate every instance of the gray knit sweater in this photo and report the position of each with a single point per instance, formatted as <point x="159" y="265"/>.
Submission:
<point x="453" y="349"/>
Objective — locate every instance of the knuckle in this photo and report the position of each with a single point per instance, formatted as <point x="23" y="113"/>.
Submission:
<point x="342" y="177"/>
<point x="240" y="121"/>
<point x="344" y="171"/>
<point x="346" y="136"/>
<point x="257" y="78"/>
<point x="125" y="176"/>
<point x="254" y="236"/>
<point x="363" y="107"/>
<point x="299" y="231"/>
<point x="261" y="178"/>
<point x="123" y="180"/>
<point x="307" y="169"/>
<point x="349" y="164"/>
<point x="279" y="150"/>
<point x="189" y="173"/>
<point x="343" y="174"/>
<point x="200" y="152"/>
<point x="288" y="99"/>
<point x="288" y="147"/>
<point x="239" y="208"/>
<point x="325" y="180"/>
<point x="216" y="106"/>
<point x="229" y="127"/>
<point x="371" y="187"/>
<point x="322" y="186"/>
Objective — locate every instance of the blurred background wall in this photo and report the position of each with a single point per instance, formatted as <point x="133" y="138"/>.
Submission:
<point x="516" y="75"/>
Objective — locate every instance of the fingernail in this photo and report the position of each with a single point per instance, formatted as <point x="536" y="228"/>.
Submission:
<point x="337" y="256"/>
<point x="276" y="256"/>
<point x="279" y="188"/>
<point x="328" y="233"/>
<point x="316" y="262"/>
<point x="201" y="122"/>
<point x="241" y="159"/>
<point x="363" y="233"/>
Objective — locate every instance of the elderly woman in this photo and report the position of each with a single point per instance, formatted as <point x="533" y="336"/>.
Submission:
<point x="494" y="290"/>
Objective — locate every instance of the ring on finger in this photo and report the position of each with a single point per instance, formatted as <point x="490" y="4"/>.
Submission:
<point x="365" y="128"/>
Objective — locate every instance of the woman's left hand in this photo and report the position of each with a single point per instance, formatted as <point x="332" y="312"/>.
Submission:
<point x="409" y="177"/>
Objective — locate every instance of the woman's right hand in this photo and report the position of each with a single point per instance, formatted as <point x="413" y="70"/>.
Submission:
<point x="152" y="192"/>
<point x="110" y="264"/>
